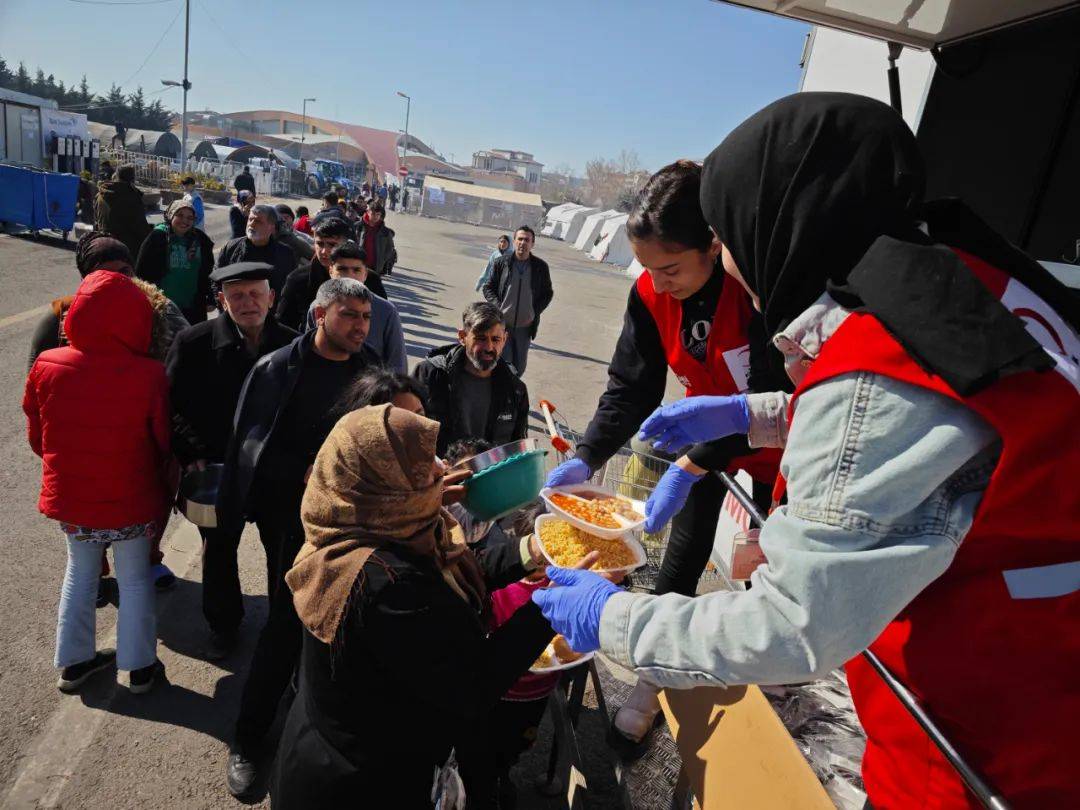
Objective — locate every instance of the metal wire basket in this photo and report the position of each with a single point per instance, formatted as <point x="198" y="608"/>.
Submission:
<point x="632" y="472"/>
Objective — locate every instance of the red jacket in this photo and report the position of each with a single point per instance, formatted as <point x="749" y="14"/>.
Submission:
<point x="98" y="411"/>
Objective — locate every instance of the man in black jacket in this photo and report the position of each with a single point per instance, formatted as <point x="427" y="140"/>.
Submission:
<point x="260" y="245"/>
<point x="207" y="366"/>
<point x="244" y="181"/>
<point x="287" y="407"/>
<point x="472" y="392"/>
<point x="303" y="283"/>
<point x="520" y="286"/>
<point x="377" y="240"/>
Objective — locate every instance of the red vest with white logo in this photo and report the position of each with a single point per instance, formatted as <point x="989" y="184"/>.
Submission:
<point x="992" y="647"/>
<point x="727" y="361"/>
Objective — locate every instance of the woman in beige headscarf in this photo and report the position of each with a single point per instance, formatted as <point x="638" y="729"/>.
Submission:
<point x="396" y="661"/>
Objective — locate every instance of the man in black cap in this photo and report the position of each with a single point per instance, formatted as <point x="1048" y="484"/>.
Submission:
<point x="286" y="409"/>
<point x="207" y="366"/>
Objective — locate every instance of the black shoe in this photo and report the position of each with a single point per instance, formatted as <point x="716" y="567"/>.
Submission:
<point x="77" y="674"/>
<point x="142" y="680"/>
<point x="627" y="749"/>
<point x="219" y="645"/>
<point x="241" y="774"/>
<point x="164" y="579"/>
<point x="104" y="591"/>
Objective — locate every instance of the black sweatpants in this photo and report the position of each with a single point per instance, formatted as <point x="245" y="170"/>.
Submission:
<point x="277" y="651"/>
<point x="693" y="530"/>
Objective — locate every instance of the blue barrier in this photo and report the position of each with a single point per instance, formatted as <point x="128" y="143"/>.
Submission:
<point x="37" y="199"/>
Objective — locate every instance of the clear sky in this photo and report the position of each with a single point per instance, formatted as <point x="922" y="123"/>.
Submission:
<point x="568" y="80"/>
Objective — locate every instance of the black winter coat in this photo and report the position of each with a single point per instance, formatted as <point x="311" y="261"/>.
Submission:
<point x="415" y="671"/>
<point x="237" y="222"/>
<point x="301" y="287"/>
<point x="274" y="253"/>
<point x="153" y="262"/>
<point x="542" y="292"/>
<point x="264" y="396"/>
<point x="508" y="418"/>
<point x="207" y="366"/>
<point x="244" y="182"/>
<point x="382" y="263"/>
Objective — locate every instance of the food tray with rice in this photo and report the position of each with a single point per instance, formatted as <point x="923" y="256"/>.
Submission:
<point x="596" y="509"/>
<point x="564" y="544"/>
<point x="557" y="656"/>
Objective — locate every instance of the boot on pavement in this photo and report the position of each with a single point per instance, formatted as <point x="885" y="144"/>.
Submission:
<point x="74" y="676"/>
<point x="241" y="774"/>
<point x="142" y="680"/>
<point x="634" y="720"/>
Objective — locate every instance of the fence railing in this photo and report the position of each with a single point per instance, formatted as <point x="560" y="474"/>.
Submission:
<point x="157" y="171"/>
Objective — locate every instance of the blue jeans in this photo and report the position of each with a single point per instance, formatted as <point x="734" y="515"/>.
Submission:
<point x="136" y="627"/>
<point x="516" y="350"/>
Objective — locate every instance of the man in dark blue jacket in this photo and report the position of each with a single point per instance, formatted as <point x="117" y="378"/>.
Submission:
<point x="287" y="407"/>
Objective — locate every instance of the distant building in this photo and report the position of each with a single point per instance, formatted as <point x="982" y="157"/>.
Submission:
<point x="507" y="161"/>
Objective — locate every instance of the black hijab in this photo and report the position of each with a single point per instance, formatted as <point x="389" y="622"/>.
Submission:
<point x="824" y="191"/>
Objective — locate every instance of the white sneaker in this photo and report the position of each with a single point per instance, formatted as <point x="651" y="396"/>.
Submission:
<point x="635" y="718"/>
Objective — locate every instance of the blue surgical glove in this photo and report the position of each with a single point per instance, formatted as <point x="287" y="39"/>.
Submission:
<point x="572" y="471"/>
<point x="575" y="605"/>
<point x="668" y="498"/>
<point x="696" y="419"/>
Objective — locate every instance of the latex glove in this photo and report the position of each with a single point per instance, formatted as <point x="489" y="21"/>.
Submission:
<point x="696" y="419"/>
<point x="668" y="498"/>
<point x="571" y="471"/>
<point x="574" y="606"/>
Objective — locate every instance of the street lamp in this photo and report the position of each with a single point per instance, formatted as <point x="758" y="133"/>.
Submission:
<point x="405" y="145"/>
<point x="186" y="85"/>
<point x="303" y="127"/>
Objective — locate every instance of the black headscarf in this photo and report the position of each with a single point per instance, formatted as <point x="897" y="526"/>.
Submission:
<point x="824" y="191"/>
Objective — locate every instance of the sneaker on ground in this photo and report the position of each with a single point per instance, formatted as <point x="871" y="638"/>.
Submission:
<point x="220" y="645"/>
<point x="71" y="678"/>
<point x="629" y="732"/>
<point x="142" y="680"/>
<point x="241" y="774"/>
<point x="164" y="579"/>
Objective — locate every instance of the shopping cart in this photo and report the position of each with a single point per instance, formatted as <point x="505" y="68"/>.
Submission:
<point x="633" y="473"/>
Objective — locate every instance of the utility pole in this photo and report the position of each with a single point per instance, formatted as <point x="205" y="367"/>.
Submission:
<point x="303" y="127"/>
<point x="186" y="85"/>
<point x="405" y="145"/>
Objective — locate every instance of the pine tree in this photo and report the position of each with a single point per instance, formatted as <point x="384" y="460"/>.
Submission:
<point x="157" y="117"/>
<point x="61" y="93"/>
<point x="137" y="105"/>
<point x="7" y="78"/>
<point x="38" y="87"/>
<point x="22" y="79"/>
<point x="84" y="91"/>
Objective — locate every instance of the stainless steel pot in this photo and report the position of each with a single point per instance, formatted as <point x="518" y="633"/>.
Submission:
<point x="491" y="457"/>
<point x="197" y="498"/>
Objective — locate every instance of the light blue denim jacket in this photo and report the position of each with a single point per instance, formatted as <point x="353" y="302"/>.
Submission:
<point x="883" y="479"/>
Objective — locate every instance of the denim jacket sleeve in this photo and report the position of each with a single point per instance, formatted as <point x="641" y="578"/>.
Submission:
<point x="883" y="482"/>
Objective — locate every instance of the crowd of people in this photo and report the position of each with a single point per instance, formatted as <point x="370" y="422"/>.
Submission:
<point x="870" y="359"/>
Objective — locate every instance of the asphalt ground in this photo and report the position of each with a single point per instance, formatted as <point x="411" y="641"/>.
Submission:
<point x="107" y="748"/>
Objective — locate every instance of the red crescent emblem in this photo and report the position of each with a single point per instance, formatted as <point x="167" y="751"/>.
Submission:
<point x="1024" y="312"/>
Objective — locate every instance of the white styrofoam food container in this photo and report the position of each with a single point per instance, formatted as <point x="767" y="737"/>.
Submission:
<point x="559" y="667"/>
<point x="591" y="528"/>
<point x="632" y="543"/>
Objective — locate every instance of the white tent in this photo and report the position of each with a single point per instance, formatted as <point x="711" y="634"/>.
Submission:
<point x="556" y="216"/>
<point x="590" y="229"/>
<point x="613" y="246"/>
<point x="635" y="269"/>
<point x="574" y="223"/>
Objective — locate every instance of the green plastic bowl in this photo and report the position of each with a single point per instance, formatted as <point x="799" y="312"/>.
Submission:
<point x="501" y="488"/>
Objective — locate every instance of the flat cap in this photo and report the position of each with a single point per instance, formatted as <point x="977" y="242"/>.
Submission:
<point x="242" y="271"/>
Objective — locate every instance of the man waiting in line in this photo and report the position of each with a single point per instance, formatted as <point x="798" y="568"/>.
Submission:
<point x="244" y="181"/>
<point x="520" y="286"/>
<point x="286" y="410"/>
<point x="192" y="195"/>
<point x="258" y="244"/>
<point x="304" y="282"/>
<point x="386" y="337"/>
<point x="373" y="235"/>
<point x="238" y="214"/>
<point x="207" y="366"/>
<point x="302" y="245"/>
<point x="472" y="391"/>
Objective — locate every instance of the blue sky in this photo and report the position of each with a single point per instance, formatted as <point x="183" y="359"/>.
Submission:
<point x="568" y="81"/>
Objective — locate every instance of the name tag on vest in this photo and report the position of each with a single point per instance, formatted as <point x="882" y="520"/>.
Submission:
<point x="738" y="365"/>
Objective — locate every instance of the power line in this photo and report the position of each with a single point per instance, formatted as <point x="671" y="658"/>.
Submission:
<point x="153" y="50"/>
<point x="121" y="2"/>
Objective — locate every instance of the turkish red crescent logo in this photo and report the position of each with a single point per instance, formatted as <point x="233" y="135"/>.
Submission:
<point x="1024" y="312"/>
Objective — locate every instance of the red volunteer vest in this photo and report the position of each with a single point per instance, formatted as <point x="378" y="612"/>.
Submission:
<point x="992" y="647"/>
<point x="727" y="364"/>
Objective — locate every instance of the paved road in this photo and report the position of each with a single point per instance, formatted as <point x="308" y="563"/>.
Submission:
<point x="106" y="748"/>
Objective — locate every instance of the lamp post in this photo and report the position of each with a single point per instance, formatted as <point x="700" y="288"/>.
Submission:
<point x="303" y="127"/>
<point x="405" y="145"/>
<point x="186" y="85"/>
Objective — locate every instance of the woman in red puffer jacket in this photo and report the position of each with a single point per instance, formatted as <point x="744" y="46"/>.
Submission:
<point x="98" y="415"/>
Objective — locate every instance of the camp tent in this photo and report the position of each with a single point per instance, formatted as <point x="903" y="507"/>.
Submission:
<point x="614" y="245"/>
<point x="574" y="222"/>
<point x="479" y="205"/>
<point x="554" y="217"/>
<point x="590" y="229"/>
<point x="635" y="269"/>
<point x="565" y="220"/>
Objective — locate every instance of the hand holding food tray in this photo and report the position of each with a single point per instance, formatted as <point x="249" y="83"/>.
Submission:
<point x="564" y="545"/>
<point x="597" y="510"/>
<point x="557" y="656"/>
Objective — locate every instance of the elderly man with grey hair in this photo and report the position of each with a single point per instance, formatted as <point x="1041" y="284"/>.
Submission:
<point x="260" y="244"/>
<point x="286" y="410"/>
